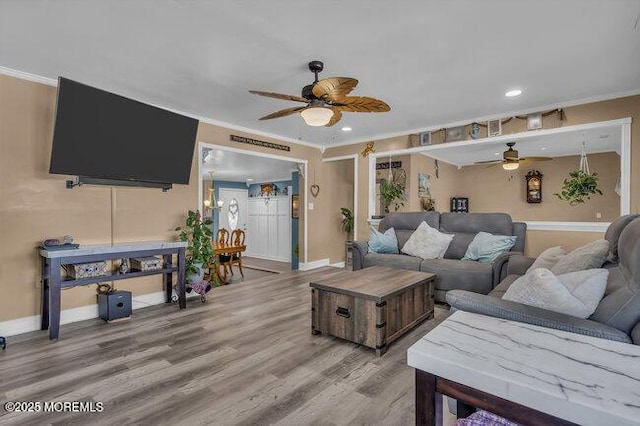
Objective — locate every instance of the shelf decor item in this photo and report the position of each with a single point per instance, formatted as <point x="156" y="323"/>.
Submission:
<point x="494" y="128"/>
<point x="581" y="184"/>
<point x="454" y="134"/>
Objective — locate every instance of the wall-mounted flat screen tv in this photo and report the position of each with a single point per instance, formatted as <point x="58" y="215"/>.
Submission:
<point x="102" y="135"/>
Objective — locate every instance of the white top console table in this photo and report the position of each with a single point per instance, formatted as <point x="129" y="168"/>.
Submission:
<point x="530" y="374"/>
<point x="53" y="281"/>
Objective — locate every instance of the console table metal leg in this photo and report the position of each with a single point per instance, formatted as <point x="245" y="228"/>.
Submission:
<point x="167" y="278"/>
<point x="44" y="312"/>
<point x="428" y="400"/>
<point x="54" y="299"/>
<point x="182" y="287"/>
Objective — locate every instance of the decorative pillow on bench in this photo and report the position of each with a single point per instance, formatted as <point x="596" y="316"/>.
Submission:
<point x="576" y="293"/>
<point x="427" y="243"/>
<point x="386" y="243"/>
<point x="486" y="247"/>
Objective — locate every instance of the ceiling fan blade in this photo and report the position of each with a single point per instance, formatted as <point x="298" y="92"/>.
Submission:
<point x="279" y="96"/>
<point x="488" y="162"/>
<point x="282" y="113"/>
<point x="334" y="88"/>
<point x="528" y="160"/>
<point x="361" y="104"/>
<point x="337" y="115"/>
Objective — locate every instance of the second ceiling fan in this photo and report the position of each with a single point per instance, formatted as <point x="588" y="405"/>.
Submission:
<point x="325" y="100"/>
<point x="510" y="159"/>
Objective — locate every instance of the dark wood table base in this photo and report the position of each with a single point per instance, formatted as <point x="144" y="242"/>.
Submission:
<point x="430" y="388"/>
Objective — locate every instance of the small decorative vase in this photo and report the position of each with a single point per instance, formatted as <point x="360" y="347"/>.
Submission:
<point x="124" y="266"/>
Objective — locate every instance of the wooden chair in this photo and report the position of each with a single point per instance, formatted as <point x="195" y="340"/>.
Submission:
<point x="237" y="239"/>
<point x="222" y="239"/>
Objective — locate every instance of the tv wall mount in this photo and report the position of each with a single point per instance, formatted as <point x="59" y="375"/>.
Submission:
<point x="83" y="180"/>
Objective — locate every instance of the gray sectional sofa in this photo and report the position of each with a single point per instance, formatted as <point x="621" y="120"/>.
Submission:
<point x="452" y="272"/>
<point x="617" y="317"/>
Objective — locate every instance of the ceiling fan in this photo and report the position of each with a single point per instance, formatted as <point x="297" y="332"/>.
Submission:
<point x="325" y="100"/>
<point x="510" y="159"/>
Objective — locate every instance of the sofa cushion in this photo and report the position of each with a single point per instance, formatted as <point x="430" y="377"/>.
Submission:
<point x="383" y="242"/>
<point x="460" y="274"/>
<point x="401" y="261"/>
<point x="592" y="255"/>
<point x="485" y="247"/>
<point x="548" y="258"/>
<point x="427" y="243"/>
<point x="472" y="223"/>
<point x="459" y="245"/>
<point x="576" y="293"/>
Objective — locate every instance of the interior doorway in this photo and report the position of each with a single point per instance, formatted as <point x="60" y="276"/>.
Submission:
<point x="254" y="191"/>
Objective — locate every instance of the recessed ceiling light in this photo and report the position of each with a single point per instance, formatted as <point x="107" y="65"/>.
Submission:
<point x="496" y="153"/>
<point x="249" y="180"/>
<point x="543" y="148"/>
<point x="513" y="93"/>
<point x="346" y="129"/>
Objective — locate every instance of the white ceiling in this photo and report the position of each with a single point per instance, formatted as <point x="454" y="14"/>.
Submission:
<point x="237" y="167"/>
<point x="434" y="62"/>
<point x="553" y="143"/>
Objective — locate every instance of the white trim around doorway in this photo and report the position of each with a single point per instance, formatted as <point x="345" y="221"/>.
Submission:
<point x="202" y="145"/>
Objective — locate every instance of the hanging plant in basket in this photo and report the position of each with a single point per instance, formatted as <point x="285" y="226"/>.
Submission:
<point x="579" y="187"/>
<point x="581" y="184"/>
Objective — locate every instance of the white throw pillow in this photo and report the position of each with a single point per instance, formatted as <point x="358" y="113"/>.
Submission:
<point x="427" y="242"/>
<point x="576" y="293"/>
<point x="548" y="258"/>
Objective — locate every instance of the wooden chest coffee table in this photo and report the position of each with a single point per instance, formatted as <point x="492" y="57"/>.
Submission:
<point x="373" y="306"/>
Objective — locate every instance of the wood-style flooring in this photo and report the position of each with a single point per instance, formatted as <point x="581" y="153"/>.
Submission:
<point x="266" y="265"/>
<point x="246" y="357"/>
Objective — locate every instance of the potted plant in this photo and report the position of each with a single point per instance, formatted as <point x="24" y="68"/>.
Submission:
<point x="391" y="193"/>
<point x="578" y="187"/>
<point x="199" y="253"/>
<point x="347" y="221"/>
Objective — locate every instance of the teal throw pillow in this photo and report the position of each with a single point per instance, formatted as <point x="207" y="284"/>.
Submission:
<point x="386" y="243"/>
<point x="485" y="247"/>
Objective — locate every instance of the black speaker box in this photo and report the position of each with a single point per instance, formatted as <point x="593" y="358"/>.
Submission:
<point x="114" y="305"/>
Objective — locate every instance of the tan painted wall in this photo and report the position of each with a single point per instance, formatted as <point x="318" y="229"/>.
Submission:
<point x="338" y="187"/>
<point x="36" y="205"/>
<point x="492" y="189"/>
<point x="538" y="241"/>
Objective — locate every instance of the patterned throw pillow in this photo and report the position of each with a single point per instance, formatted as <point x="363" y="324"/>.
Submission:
<point x="427" y="243"/>
<point x="386" y="243"/>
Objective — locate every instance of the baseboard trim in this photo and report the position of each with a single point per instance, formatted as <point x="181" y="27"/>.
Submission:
<point x="337" y="265"/>
<point x="313" y="265"/>
<point x="68" y="316"/>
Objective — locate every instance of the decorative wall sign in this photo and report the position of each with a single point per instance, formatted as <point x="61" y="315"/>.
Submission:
<point x="386" y="165"/>
<point x="256" y="142"/>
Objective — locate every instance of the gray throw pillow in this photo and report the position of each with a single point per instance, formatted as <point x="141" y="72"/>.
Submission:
<point x="548" y="258"/>
<point x="589" y="256"/>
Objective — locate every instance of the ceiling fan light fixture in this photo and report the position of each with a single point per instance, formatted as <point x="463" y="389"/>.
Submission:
<point x="511" y="165"/>
<point x="317" y="116"/>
